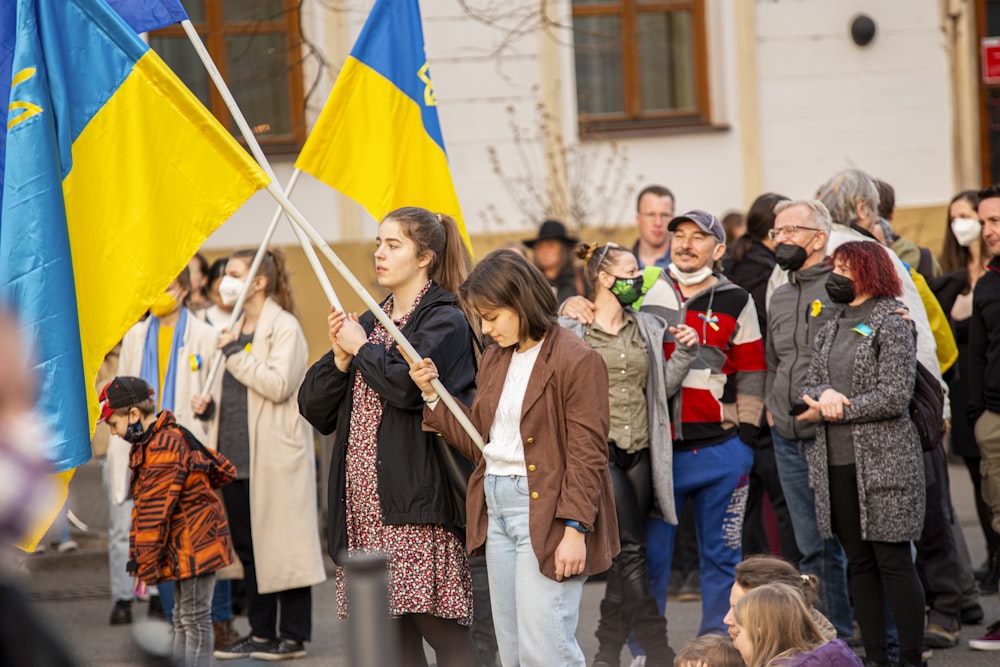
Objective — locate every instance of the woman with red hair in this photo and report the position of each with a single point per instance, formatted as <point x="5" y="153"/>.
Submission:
<point x="866" y="467"/>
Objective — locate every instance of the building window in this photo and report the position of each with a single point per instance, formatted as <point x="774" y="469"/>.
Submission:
<point x="640" y="65"/>
<point x="256" y="45"/>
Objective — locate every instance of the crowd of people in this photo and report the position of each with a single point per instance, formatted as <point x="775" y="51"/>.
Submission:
<point x="746" y="392"/>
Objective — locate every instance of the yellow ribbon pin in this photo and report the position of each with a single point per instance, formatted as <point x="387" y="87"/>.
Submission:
<point x="817" y="307"/>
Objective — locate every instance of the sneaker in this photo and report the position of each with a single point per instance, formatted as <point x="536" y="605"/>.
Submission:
<point x="121" y="613"/>
<point x="988" y="642"/>
<point x="245" y="648"/>
<point x="937" y="636"/>
<point x="67" y="546"/>
<point x="690" y="590"/>
<point x="285" y="649"/>
<point x="638" y="661"/>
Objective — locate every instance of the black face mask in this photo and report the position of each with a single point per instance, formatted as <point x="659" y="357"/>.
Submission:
<point x="790" y="257"/>
<point x="133" y="432"/>
<point x="840" y="288"/>
<point x="627" y="290"/>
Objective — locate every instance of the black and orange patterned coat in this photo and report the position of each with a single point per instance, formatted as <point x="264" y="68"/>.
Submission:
<point x="179" y="528"/>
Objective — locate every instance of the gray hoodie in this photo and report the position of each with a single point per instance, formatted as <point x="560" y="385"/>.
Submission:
<point x="792" y="325"/>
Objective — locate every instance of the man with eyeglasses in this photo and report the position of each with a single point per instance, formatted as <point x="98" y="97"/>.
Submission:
<point x="796" y="312"/>
<point x="654" y="211"/>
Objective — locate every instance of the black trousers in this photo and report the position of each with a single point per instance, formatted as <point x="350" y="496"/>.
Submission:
<point x="262" y="608"/>
<point x="877" y="569"/>
<point x="685" y="559"/>
<point x="628" y="603"/>
<point x="937" y="558"/>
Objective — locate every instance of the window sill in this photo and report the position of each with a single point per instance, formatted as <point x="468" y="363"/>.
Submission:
<point x="632" y="131"/>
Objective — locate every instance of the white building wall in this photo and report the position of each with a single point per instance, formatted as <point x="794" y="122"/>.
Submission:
<point x="827" y="104"/>
<point x="702" y="168"/>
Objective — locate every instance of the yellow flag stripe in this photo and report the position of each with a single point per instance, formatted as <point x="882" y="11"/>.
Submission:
<point x="60" y="482"/>
<point x="370" y="144"/>
<point x="153" y="176"/>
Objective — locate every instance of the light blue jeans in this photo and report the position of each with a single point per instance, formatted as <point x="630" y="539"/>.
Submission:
<point x="535" y="617"/>
<point x="823" y="558"/>
<point x="119" y="521"/>
<point x="193" y="620"/>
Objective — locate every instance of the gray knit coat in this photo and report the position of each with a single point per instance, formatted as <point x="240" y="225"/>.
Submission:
<point x="890" y="470"/>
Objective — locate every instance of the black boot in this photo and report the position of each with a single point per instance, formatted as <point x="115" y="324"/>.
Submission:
<point x="610" y="634"/>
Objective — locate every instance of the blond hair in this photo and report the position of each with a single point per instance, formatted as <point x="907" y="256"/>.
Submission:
<point x="778" y="623"/>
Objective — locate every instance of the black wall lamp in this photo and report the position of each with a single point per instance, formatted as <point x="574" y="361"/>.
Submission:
<point x="862" y="29"/>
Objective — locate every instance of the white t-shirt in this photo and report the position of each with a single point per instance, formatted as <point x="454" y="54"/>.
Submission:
<point x="504" y="452"/>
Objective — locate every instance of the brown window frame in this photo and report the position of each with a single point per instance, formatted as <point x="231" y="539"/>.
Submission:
<point x="214" y="30"/>
<point x="635" y="121"/>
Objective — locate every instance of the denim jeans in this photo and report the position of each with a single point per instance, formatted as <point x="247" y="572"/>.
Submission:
<point x="119" y="522"/>
<point x="193" y="620"/>
<point x="165" y="589"/>
<point x="535" y="617"/>
<point x="823" y="558"/>
<point x="222" y="601"/>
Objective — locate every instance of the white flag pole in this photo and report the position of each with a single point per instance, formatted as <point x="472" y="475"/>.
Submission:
<point x="258" y="153"/>
<point x="303" y="227"/>
<point x="251" y="140"/>
<point x="386" y="321"/>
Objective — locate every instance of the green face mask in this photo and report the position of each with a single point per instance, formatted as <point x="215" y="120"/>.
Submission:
<point x="627" y="290"/>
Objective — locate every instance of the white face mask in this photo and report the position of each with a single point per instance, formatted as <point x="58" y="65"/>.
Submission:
<point x="966" y="230"/>
<point x="687" y="278"/>
<point x="230" y="289"/>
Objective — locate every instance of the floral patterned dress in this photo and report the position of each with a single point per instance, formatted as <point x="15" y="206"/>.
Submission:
<point x="427" y="567"/>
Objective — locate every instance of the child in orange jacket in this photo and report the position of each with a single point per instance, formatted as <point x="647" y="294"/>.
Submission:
<point x="179" y="531"/>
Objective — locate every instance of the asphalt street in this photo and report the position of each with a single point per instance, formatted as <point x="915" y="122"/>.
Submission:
<point x="71" y="592"/>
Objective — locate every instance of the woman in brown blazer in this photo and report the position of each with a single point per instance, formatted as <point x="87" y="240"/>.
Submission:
<point x="540" y="499"/>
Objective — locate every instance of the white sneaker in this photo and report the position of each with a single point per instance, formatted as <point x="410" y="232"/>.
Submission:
<point x="638" y="661"/>
<point x="67" y="546"/>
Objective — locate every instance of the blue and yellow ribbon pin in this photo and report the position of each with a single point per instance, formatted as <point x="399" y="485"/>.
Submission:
<point x="710" y="319"/>
<point x="195" y="361"/>
<point x="863" y="329"/>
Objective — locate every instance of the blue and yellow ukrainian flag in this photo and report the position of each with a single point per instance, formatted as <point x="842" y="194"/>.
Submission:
<point x="378" y="139"/>
<point x="147" y="15"/>
<point x="113" y="176"/>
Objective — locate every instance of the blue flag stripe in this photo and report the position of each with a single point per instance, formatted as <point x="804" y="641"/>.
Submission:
<point x="36" y="267"/>
<point x="392" y="44"/>
<point x="146" y="15"/>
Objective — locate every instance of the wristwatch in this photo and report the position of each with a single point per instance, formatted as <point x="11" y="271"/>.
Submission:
<point x="573" y="523"/>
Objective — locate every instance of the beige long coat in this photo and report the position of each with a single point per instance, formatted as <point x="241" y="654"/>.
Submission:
<point x="283" y="501"/>
<point x="199" y="339"/>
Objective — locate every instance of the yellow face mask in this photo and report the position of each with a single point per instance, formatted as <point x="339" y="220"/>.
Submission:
<point x="165" y="304"/>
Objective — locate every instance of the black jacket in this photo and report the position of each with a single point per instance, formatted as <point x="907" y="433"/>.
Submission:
<point x="751" y="273"/>
<point x="947" y="287"/>
<point x="984" y="344"/>
<point x="413" y="486"/>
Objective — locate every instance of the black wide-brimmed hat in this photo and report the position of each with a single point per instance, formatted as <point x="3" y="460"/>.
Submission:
<point x="552" y="230"/>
